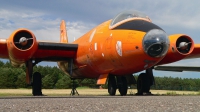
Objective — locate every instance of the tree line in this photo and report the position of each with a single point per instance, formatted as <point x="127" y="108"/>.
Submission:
<point x="54" y="78"/>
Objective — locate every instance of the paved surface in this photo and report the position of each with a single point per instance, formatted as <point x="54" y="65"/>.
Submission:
<point x="101" y="104"/>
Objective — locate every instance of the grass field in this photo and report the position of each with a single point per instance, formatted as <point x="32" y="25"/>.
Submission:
<point x="89" y="92"/>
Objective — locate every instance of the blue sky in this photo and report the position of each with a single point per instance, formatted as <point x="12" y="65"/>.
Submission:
<point x="43" y="18"/>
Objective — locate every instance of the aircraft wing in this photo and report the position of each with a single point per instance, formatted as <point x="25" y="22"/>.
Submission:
<point x="3" y="49"/>
<point x="48" y="51"/>
<point x="22" y="46"/>
<point x="194" y="54"/>
<point x="177" y="68"/>
<point x="44" y="51"/>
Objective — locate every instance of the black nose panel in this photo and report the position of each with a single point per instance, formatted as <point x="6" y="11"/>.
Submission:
<point x="139" y="25"/>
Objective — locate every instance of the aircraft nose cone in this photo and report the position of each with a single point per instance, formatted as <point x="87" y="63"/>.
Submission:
<point x="156" y="43"/>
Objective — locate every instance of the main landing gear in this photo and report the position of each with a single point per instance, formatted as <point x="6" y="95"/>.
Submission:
<point x="121" y="83"/>
<point x="34" y="80"/>
<point x="145" y="80"/>
<point x="37" y="84"/>
<point x="112" y="86"/>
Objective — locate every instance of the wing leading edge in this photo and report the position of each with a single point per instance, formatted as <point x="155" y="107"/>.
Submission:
<point x="177" y="68"/>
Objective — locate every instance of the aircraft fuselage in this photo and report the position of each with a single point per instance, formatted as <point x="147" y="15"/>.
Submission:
<point x="119" y="52"/>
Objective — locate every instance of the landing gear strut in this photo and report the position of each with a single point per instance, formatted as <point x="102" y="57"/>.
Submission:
<point x="145" y="80"/>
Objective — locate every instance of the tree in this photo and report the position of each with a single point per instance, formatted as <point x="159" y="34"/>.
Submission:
<point x="21" y="81"/>
<point x="8" y="78"/>
<point x="64" y="82"/>
<point x="47" y="82"/>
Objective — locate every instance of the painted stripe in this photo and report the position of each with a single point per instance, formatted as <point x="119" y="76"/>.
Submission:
<point x="139" y="25"/>
<point x="57" y="46"/>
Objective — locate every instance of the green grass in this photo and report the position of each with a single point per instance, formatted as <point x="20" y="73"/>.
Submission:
<point x="83" y="87"/>
<point x="13" y="95"/>
<point x="172" y="93"/>
<point x="85" y="91"/>
<point x="198" y="93"/>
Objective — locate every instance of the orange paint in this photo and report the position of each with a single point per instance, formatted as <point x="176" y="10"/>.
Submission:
<point x="105" y="58"/>
<point x="173" y="54"/>
<point x="63" y="32"/>
<point x="17" y="55"/>
<point x="102" y="79"/>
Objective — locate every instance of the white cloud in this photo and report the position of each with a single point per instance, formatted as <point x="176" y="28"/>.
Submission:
<point x="176" y="13"/>
<point x="179" y="21"/>
<point x="44" y="29"/>
<point x="77" y="29"/>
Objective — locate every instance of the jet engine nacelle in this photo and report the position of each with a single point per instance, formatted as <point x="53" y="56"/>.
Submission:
<point x="21" y="45"/>
<point x="180" y="46"/>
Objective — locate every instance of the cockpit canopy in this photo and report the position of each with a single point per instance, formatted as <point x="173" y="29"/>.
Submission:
<point x="128" y="15"/>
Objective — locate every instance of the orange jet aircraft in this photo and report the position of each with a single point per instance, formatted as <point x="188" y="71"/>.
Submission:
<point x="111" y="52"/>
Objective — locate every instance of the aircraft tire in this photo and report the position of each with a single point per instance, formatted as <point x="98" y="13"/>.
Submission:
<point x="37" y="84"/>
<point x="112" y="85"/>
<point x="143" y="84"/>
<point x="123" y="87"/>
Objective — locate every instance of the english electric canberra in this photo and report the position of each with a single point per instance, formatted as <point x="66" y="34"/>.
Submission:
<point x="111" y="52"/>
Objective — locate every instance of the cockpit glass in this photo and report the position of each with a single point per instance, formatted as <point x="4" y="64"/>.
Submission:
<point x="127" y="15"/>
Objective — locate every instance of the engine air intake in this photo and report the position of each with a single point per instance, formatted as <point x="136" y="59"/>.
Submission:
<point x="23" y="40"/>
<point x="183" y="45"/>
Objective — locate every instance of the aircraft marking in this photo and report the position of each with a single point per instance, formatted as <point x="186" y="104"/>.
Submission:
<point x="92" y="35"/>
<point x="95" y="46"/>
<point x="119" y="47"/>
